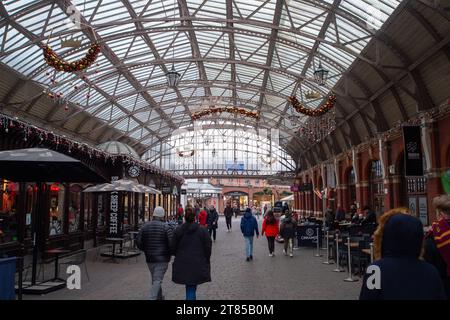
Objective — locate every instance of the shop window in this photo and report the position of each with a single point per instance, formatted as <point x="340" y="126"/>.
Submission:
<point x="56" y="209"/>
<point x="101" y="210"/>
<point x="88" y="203"/>
<point x="8" y="211"/>
<point x="74" y="208"/>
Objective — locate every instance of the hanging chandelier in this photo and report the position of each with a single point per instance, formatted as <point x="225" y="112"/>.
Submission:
<point x="315" y="129"/>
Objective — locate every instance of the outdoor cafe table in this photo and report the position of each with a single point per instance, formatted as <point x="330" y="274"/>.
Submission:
<point x="57" y="253"/>
<point x="114" y="241"/>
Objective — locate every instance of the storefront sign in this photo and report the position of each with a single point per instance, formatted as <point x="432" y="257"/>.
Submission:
<point x="413" y="151"/>
<point x="115" y="229"/>
<point x="235" y="194"/>
<point x="234" y="166"/>
<point x="307" y="235"/>
<point x="183" y="191"/>
<point x="166" y="190"/>
<point x="412" y="206"/>
<point x="423" y="210"/>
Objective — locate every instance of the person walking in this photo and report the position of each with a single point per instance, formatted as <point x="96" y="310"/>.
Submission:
<point x="287" y="232"/>
<point x="437" y="241"/>
<point x="202" y="217"/>
<point x="180" y="213"/>
<point x="197" y="212"/>
<point x="228" y="212"/>
<point x="191" y="246"/>
<point x="236" y="211"/>
<point x="211" y="222"/>
<point x="271" y="228"/>
<point x="402" y="275"/>
<point x="249" y="227"/>
<point x="154" y="239"/>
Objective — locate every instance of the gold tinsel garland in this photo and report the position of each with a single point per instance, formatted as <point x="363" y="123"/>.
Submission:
<point x="55" y="61"/>
<point x="313" y="112"/>
<point x="234" y="110"/>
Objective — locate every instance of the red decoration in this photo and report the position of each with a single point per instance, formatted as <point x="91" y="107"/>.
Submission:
<point x="234" y="110"/>
<point x="55" y="61"/>
<point x="313" y="112"/>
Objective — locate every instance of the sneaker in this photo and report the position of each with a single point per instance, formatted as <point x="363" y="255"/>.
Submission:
<point x="284" y="252"/>
<point x="251" y="257"/>
<point x="291" y="255"/>
<point x="248" y="259"/>
<point x="270" y="255"/>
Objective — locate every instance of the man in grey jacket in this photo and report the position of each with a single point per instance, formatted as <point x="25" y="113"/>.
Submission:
<point x="154" y="239"/>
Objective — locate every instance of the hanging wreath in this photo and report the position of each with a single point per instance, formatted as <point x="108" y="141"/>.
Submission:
<point x="270" y="161"/>
<point x="55" y="61"/>
<point x="234" y="110"/>
<point x="185" y="154"/>
<point x="313" y="112"/>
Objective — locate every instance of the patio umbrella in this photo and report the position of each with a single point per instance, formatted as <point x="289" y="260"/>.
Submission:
<point x="122" y="185"/>
<point x="43" y="165"/>
<point x="38" y="164"/>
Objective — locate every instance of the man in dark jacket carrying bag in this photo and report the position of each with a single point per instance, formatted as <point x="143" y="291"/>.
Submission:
<point x="154" y="239"/>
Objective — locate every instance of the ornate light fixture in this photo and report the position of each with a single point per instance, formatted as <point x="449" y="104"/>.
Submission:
<point x="321" y="75"/>
<point x="172" y="77"/>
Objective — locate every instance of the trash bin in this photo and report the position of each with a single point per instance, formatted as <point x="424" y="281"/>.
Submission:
<point x="7" y="278"/>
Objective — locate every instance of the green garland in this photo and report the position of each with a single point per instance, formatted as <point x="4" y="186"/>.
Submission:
<point x="445" y="179"/>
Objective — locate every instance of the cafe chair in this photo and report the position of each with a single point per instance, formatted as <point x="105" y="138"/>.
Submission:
<point x="77" y="258"/>
<point x="360" y="259"/>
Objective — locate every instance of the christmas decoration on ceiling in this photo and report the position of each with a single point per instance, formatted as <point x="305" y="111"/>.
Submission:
<point x="269" y="160"/>
<point x="315" y="129"/>
<point x="58" y="63"/>
<point x="185" y="153"/>
<point x="40" y="137"/>
<point x="323" y="109"/>
<point x="233" y="110"/>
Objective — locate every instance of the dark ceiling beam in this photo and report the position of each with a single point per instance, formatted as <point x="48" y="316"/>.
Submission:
<point x="231" y="46"/>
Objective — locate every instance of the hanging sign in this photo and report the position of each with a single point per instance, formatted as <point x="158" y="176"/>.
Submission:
<point x="166" y="190"/>
<point x="413" y="151"/>
<point x="115" y="226"/>
<point x="423" y="210"/>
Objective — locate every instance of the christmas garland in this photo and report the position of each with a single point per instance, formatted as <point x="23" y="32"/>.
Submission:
<point x="233" y="110"/>
<point x="63" y="144"/>
<point x="55" y="61"/>
<point x="313" y="112"/>
<point x="272" y="160"/>
<point x="186" y="154"/>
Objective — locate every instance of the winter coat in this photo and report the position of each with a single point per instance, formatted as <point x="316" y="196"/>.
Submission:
<point x="212" y="218"/>
<point x="202" y="218"/>
<point x="249" y="225"/>
<point x="340" y="215"/>
<point x="370" y="218"/>
<point x="154" y="239"/>
<point x="288" y="228"/>
<point x="228" y="212"/>
<point x="271" y="230"/>
<point x="191" y="246"/>
<point x="403" y="276"/>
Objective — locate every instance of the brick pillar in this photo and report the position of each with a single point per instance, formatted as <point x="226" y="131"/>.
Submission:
<point x="362" y="193"/>
<point x="434" y="188"/>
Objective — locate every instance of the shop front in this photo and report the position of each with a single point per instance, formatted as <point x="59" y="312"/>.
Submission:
<point x="237" y="199"/>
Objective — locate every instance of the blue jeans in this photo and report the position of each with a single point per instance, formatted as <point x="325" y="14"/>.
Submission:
<point x="249" y="246"/>
<point x="157" y="269"/>
<point x="191" y="292"/>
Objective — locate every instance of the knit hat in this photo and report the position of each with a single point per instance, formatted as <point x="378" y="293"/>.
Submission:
<point x="159" y="212"/>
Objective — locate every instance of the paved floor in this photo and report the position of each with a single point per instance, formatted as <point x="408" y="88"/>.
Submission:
<point x="265" y="278"/>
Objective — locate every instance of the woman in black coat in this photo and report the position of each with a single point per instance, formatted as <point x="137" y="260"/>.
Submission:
<point x="211" y="221"/>
<point x="191" y="246"/>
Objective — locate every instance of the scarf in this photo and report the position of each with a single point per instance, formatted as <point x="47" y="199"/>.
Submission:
<point x="441" y="234"/>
